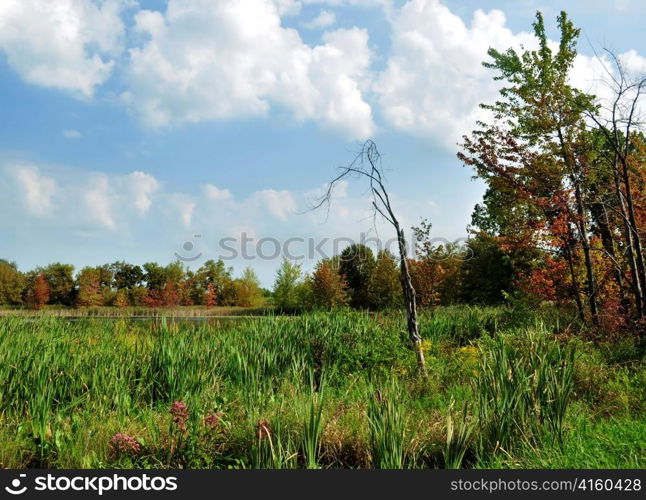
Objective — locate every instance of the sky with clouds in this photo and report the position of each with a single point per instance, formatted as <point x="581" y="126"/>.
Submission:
<point x="129" y="127"/>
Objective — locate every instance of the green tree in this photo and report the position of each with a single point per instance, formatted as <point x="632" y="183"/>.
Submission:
<point x="356" y="263"/>
<point x="248" y="292"/>
<point x="535" y="155"/>
<point x="286" y="286"/>
<point x="154" y="276"/>
<point x="60" y="280"/>
<point x="486" y="274"/>
<point x="124" y="275"/>
<point x="384" y="285"/>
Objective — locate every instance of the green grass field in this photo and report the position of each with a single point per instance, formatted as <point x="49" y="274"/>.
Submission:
<point x="335" y="390"/>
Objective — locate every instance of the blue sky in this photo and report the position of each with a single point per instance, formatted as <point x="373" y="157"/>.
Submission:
<point x="130" y="127"/>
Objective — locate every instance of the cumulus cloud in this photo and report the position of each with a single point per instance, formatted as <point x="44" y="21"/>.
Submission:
<point x="281" y="204"/>
<point x="183" y="206"/>
<point x="633" y="62"/>
<point x="288" y="7"/>
<point x="64" y="44"/>
<point x="214" y="193"/>
<point x="38" y="190"/>
<point x="141" y="186"/>
<point x="100" y="217"/>
<point x="323" y="20"/>
<point x="201" y="60"/>
<point x="434" y="79"/>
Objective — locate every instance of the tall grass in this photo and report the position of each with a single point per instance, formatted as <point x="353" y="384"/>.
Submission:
<point x="459" y="436"/>
<point x="387" y="427"/>
<point x="312" y="424"/>
<point x="523" y="389"/>
<point x="336" y="390"/>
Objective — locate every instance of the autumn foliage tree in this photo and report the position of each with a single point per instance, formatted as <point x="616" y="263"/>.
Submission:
<point x="210" y="296"/>
<point x="329" y="288"/>
<point x="38" y="293"/>
<point x="560" y="199"/>
<point x="12" y="283"/>
<point x="89" y="287"/>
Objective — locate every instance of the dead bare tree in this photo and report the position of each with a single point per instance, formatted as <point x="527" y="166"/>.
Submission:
<point x="619" y="119"/>
<point x="367" y="165"/>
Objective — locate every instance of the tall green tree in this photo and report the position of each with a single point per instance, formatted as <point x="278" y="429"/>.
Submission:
<point x="287" y="296"/>
<point x="486" y="274"/>
<point x="356" y="264"/>
<point x="535" y="153"/>
<point x="216" y="281"/>
<point x="154" y="276"/>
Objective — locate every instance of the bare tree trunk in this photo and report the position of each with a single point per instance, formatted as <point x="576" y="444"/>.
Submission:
<point x="585" y="242"/>
<point x="410" y="303"/>
<point x="625" y="116"/>
<point x="367" y="164"/>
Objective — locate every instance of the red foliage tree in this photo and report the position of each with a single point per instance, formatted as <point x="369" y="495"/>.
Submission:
<point x="211" y="298"/>
<point x="39" y="293"/>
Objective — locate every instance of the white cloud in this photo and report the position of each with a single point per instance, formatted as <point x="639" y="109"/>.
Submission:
<point x="206" y="61"/>
<point x="359" y="3"/>
<point x="201" y="60"/>
<point x="323" y="20"/>
<point x="98" y="201"/>
<point x="281" y="204"/>
<point x="216" y="194"/>
<point x="434" y="79"/>
<point x="72" y="134"/>
<point x="37" y="189"/>
<point x="64" y="44"/>
<point x="288" y="7"/>
<point x="622" y="5"/>
<point x="142" y="186"/>
<point x="633" y="62"/>
<point x="182" y="206"/>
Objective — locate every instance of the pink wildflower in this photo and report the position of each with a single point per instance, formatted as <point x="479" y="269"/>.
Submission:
<point x="122" y="444"/>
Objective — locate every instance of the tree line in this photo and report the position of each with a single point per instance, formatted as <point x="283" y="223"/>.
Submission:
<point x="356" y="278"/>
<point x="122" y="284"/>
